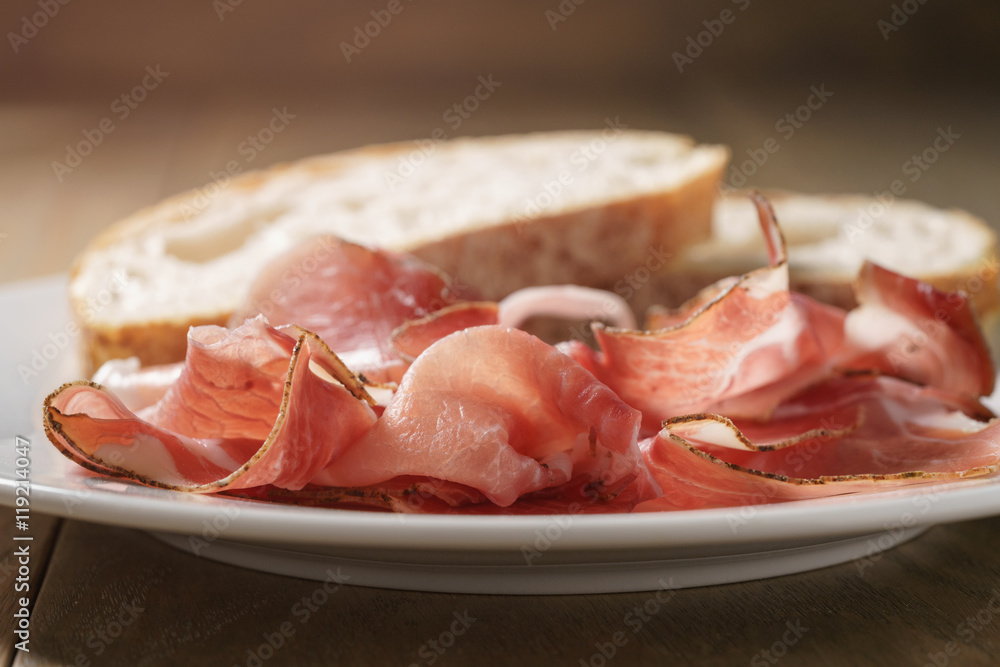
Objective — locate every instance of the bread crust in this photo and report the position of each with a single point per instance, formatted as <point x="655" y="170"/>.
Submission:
<point x="630" y="246"/>
<point x="600" y="247"/>
<point x="153" y="343"/>
<point x="978" y="279"/>
<point x="596" y="245"/>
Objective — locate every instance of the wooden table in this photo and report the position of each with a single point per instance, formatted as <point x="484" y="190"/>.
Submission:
<point x="110" y="596"/>
<point x="119" y="597"/>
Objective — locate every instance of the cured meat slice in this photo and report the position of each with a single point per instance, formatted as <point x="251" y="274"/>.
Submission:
<point x="135" y="386"/>
<point x="661" y="317"/>
<point x="297" y="385"/>
<point x="567" y="301"/>
<point x="847" y="435"/>
<point x="231" y="385"/>
<point x="907" y="328"/>
<point x="412" y="338"/>
<point x="490" y="420"/>
<point x="497" y="410"/>
<point x="350" y="296"/>
<point x="742" y="346"/>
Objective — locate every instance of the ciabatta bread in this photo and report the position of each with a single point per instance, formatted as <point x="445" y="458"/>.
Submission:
<point x="496" y="213"/>
<point x="830" y="236"/>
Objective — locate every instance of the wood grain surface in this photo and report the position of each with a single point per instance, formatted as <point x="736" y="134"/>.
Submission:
<point x="119" y="597"/>
<point x="44" y="530"/>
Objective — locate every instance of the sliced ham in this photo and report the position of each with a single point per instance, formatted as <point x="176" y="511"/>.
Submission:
<point x="751" y="393"/>
<point x="231" y="385"/>
<point x="564" y="301"/>
<point x="907" y="328"/>
<point x="410" y="339"/>
<point x="350" y="296"/>
<point x="252" y="407"/>
<point x="847" y="435"/>
<point x="742" y="346"/>
<point x="135" y="386"/>
<point x="500" y="411"/>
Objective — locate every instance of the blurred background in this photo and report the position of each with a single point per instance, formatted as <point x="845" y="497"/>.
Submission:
<point x="107" y="106"/>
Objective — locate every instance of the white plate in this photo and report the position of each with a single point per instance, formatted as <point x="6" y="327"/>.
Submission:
<point x="489" y="554"/>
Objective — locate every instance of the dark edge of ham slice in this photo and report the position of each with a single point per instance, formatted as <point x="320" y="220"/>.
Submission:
<point x="712" y="295"/>
<point x="832" y="479"/>
<point x="489" y="400"/>
<point x="675" y="424"/>
<point x="411" y="338"/>
<point x="320" y="353"/>
<point x="901" y="434"/>
<point x="636" y="364"/>
<point x="734" y="485"/>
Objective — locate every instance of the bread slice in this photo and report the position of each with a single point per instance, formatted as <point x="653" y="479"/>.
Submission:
<point x="496" y="213"/>
<point x="830" y="236"/>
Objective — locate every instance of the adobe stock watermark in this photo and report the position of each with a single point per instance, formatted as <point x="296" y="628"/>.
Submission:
<point x="630" y="283"/>
<point x="898" y="17"/>
<point x="454" y="116"/>
<point x="546" y="537"/>
<point x="302" y="611"/>
<point x="911" y="342"/>
<point x="99" y="641"/>
<point x="966" y="630"/>
<point x="321" y="249"/>
<point x="786" y="126"/>
<point x="794" y="633"/>
<point x="579" y="161"/>
<point x="914" y="168"/>
<point x="720" y="369"/>
<point x="562" y="12"/>
<point x="432" y="650"/>
<point x="121" y="108"/>
<point x="214" y="529"/>
<point x="30" y="25"/>
<point x="248" y="149"/>
<point x="655" y="259"/>
<point x="21" y="547"/>
<point x="896" y="531"/>
<point x="223" y="7"/>
<point x="56" y="342"/>
<point x="364" y="34"/>
<point x="698" y="43"/>
<point x="558" y="524"/>
<point x="796" y="457"/>
<point x="634" y="621"/>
